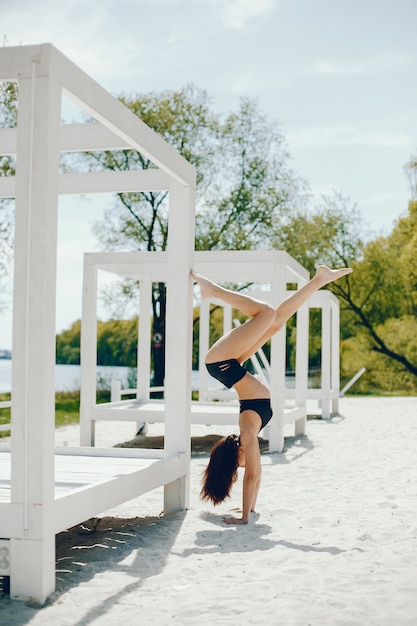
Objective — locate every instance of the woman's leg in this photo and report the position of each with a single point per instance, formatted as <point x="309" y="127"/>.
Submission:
<point x="237" y="341"/>
<point x="240" y="343"/>
<point x="290" y="305"/>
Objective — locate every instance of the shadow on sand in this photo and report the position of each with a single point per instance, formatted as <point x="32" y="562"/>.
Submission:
<point x="136" y="548"/>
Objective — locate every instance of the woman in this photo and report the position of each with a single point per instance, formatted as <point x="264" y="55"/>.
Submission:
<point x="224" y="362"/>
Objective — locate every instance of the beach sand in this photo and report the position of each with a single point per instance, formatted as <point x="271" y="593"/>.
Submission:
<point x="334" y="541"/>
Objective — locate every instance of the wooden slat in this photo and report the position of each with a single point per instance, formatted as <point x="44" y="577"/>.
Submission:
<point x="75" y="472"/>
<point x="80" y="504"/>
<point x="154" y="412"/>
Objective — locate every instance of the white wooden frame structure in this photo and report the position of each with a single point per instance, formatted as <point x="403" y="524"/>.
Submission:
<point x="275" y="268"/>
<point x="46" y="495"/>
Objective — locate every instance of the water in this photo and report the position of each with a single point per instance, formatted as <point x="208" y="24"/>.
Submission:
<point x="68" y="377"/>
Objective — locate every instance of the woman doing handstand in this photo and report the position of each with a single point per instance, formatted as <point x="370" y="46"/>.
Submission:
<point x="224" y="362"/>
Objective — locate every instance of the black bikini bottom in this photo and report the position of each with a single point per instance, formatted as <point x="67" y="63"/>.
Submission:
<point x="261" y="406"/>
<point x="227" y="372"/>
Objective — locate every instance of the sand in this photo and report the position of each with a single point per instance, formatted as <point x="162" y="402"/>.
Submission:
<point x="334" y="541"/>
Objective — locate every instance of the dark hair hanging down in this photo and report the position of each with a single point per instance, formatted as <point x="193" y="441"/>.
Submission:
<point x="221" y="472"/>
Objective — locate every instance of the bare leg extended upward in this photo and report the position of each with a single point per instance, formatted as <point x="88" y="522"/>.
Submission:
<point x="242" y="342"/>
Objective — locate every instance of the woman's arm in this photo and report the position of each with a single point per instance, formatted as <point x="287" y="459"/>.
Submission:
<point x="252" y="476"/>
<point x="256" y="492"/>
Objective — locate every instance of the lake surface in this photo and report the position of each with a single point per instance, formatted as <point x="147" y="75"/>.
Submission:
<point x="68" y="377"/>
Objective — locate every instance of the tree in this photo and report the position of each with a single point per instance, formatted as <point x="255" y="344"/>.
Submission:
<point x="333" y="233"/>
<point x="330" y="233"/>
<point x="378" y="301"/>
<point x="139" y="221"/>
<point x="116" y="343"/>
<point x="244" y="185"/>
<point x="381" y="294"/>
<point x="68" y="345"/>
<point x="252" y="187"/>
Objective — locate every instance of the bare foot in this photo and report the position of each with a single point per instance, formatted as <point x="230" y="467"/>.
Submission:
<point x="207" y="286"/>
<point x="234" y="520"/>
<point x="325" y="275"/>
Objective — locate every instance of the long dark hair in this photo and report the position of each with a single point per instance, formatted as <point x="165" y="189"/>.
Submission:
<point x="221" y="472"/>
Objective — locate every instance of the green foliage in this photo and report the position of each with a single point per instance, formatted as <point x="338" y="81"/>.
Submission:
<point x="383" y="375"/>
<point x="67" y="408"/>
<point x="331" y="233"/>
<point x="240" y="211"/>
<point x="68" y="345"/>
<point x="381" y="294"/>
<point x="8" y="104"/>
<point x="4" y="415"/>
<point x="116" y="343"/>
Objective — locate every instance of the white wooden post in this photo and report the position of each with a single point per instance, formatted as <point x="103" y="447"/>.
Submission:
<point x="88" y="397"/>
<point x="204" y="340"/>
<point x="276" y="425"/>
<point x="325" y="359"/>
<point x="301" y="365"/>
<point x="144" y="345"/>
<point x="115" y="390"/>
<point x="335" y="361"/>
<point x="32" y="548"/>
<point x="143" y="363"/>
<point x="179" y="339"/>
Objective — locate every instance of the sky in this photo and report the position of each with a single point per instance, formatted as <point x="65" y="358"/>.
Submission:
<point x="338" y="75"/>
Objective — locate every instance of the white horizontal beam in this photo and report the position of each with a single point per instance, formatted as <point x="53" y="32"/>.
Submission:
<point x="232" y="265"/>
<point x="84" y="503"/>
<point x="113" y="182"/>
<point x="118" y="453"/>
<point x="15" y="61"/>
<point x="110" y="261"/>
<point x="100" y="182"/>
<point x="88" y="137"/>
<point x="222" y="265"/>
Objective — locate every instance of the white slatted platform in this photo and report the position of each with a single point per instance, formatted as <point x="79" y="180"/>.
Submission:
<point x="204" y="413"/>
<point x="154" y="411"/>
<point x="87" y="483"/>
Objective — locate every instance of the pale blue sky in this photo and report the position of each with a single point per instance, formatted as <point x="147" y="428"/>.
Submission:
<point x="339" y="75"/>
